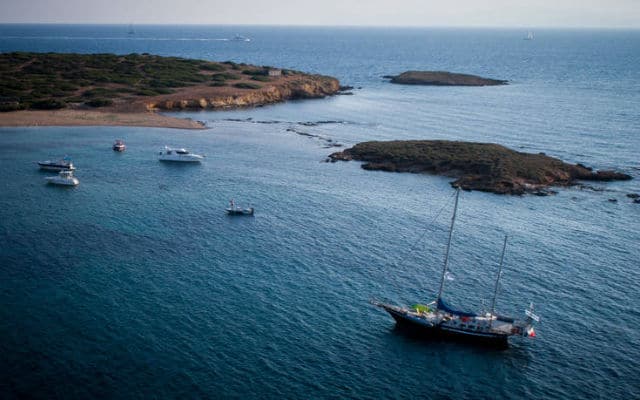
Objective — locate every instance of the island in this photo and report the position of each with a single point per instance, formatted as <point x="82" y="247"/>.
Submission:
<point x="486" y="167"/>
<point x="442" y="78"/>
<point x="110" y="89"/>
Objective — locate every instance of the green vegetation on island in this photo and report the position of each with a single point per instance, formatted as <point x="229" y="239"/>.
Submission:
<point x="53" y="80"/>
<point x="476" y="166"/>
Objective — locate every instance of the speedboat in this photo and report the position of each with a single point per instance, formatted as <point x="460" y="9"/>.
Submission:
<point x="61" y="165"/>
<point x="233" y="209"/>
<point x="179" y="155"/>
<point x="64" y="178"/>
<point x="119" y="145"/>
<point x="240" y="38"/>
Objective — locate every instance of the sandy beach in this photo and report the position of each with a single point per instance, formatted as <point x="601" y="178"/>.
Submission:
<point x="69" y="117"/>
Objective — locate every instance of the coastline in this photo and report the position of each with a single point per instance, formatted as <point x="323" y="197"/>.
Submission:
<point x="70" y="117"/>
<point x="68" y="89"/>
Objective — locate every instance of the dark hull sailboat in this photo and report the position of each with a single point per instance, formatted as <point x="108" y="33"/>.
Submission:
<point x="439" y="320"/>
<point x="428" y="330"/>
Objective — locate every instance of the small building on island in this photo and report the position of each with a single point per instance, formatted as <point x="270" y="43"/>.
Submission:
<point x="274" y="72"/>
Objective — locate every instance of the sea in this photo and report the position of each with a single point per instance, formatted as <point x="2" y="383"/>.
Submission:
<point x="135" y="284"/>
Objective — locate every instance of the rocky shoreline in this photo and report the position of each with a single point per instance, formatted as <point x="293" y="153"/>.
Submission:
<point x="202" y="98"/>
<point x="442" y="78"/>
<point x="485" y="167"/>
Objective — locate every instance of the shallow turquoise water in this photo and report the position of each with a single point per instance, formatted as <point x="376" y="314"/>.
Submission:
<point x="135" y="283"/>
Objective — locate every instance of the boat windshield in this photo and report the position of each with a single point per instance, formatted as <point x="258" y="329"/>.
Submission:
<point x="182" y="151"/>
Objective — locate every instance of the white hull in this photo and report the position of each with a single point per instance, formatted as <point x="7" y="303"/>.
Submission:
<point x="55" y="180"/>
<point x="181" y="157"/>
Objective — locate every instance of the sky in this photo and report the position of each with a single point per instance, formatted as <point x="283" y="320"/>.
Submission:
<point x="428" y="13"/>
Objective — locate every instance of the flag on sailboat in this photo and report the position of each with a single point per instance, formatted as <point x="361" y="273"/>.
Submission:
<point x="531" y="333"/>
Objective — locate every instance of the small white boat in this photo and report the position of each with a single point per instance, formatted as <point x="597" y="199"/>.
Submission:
<point x="64" y="178"/>
<point x="529" y="36"/>
<point x="119" y="146"/>
<point x="179" y="155"/>
<point x="233" y="209"/>
<point x="240" y="38"/>
<point x="61" y="165"/>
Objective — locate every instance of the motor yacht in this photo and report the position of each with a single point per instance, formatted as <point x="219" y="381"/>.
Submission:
<point x="64" y="178"/>
<point x="179" y="155"/>
<point x="60" y="165"/>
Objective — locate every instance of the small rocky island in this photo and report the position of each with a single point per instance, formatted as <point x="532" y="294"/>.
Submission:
<point x="476" y="166"/>
<point x="442" y="78"/>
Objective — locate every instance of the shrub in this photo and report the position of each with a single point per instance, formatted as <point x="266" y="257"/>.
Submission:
<point x="212" y="67"/>
<point x="261" y="78"/>
<point x="247" y="85"/>
<point x="256" y="72"/>
<point x="48" y="104"/>
<point x="99" y="102"/>
<point x="224" y="77"/>
<point x="217" y="84"/>
<point x="99" y="92"/>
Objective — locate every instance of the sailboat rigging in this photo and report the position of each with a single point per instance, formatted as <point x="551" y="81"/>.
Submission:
<point x="439" y="320"/>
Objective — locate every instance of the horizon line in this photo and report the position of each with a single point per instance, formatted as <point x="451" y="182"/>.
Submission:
<point x="568" y="27"/>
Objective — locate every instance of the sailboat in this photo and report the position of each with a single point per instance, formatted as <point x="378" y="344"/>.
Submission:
<point x="131" y="30"/>
<point x="438" y="319"/>
<point x="529" y="36"/>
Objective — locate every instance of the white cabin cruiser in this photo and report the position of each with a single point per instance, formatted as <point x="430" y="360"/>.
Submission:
<point x="64" y="178"/>
<point x="179" y="155"/>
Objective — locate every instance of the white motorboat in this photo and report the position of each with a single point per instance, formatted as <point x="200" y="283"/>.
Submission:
<point x="234" y="209"/>
<point x="119" y="146"/>
<point x="60" y="165"/>
<point x="64" y="178"/>
<point x="179" y="155"/>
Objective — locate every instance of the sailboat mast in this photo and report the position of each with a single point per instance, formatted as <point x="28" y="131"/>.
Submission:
<point x="495" y="293"/>
<point x="446" y="256"/>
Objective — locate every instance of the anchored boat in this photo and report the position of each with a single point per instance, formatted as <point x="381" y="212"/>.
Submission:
<point x="234" y="209"/>
<point x="60" y="165"/>
<point x="437" y="319"/>
<point x="119" y="145"/>
<point x="64" y="178"/>
<point x="178" y="155"/>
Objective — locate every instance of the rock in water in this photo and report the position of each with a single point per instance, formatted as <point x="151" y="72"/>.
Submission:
<point x="477" y="166"/>
<point x="442" y="78"/>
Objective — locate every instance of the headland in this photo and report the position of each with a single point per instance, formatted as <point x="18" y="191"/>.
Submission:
<point x="110" y="89"/>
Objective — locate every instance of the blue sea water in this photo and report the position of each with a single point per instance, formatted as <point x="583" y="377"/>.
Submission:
<point x="135" y="284"/>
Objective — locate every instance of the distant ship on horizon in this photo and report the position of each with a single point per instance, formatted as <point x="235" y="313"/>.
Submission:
<point x="131" y="30"/>
<point x="529" y="36"/>
<point x="240" y="38"/>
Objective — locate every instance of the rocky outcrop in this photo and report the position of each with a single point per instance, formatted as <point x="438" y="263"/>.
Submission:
<point x="302" y="87"/>
<point x="476" y="166"/>
<point x="442" y="78"/>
